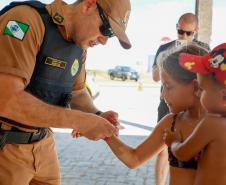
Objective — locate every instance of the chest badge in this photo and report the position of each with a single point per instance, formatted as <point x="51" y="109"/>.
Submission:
<point x="74" y="67"/>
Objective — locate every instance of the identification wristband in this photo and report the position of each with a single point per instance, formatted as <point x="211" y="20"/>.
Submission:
<point x="106" y="138"/>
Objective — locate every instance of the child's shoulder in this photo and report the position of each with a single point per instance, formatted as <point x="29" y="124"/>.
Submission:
<point x="212" y="118"/>
<point x="213" y="125"/>
<point x="167" y="120"/>
<point x="212" y="122"/>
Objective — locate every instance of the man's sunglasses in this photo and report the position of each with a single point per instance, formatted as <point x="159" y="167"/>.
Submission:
<point x="182" y="32"/>
<point x="105" y="28"/>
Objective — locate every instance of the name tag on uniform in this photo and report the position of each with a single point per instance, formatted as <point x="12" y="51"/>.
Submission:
<point x="55" y="63"/>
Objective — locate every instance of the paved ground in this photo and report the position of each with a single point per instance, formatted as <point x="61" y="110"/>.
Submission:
<point x="86" y="162"/>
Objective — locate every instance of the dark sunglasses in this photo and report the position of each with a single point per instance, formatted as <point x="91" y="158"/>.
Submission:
<point x="105" y="28"/>
<point x="182" y="32"/>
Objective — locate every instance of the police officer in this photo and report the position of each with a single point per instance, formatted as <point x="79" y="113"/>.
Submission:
<point x="42" y="75"/>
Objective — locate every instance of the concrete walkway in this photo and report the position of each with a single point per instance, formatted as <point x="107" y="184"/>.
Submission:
<point x="85" y="162"/>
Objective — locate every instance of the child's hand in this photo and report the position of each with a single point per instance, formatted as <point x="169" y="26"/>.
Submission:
<point x="169" y="137"/>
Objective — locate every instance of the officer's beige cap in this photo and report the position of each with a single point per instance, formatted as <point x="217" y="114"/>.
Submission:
<point x="118" y="12"/>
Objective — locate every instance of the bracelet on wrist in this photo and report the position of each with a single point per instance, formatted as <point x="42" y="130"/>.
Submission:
<point x="106" y="138"/>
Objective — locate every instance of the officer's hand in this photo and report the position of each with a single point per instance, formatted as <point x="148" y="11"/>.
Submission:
<point x="95" y="129"/>
<point x="111" y="116"/>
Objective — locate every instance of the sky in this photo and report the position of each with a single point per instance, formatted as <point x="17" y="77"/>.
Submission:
<point x="150" y="20"/>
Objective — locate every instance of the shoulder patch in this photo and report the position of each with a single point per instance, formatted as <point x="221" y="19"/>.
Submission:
<point x="16" y="29"/>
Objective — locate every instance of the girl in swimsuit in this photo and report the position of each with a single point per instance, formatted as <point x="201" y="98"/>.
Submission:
<point x="210" y="133"/>
<point x="181" y="93"/>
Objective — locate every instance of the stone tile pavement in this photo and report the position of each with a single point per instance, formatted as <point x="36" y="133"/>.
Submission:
<point x="85" y="162"/>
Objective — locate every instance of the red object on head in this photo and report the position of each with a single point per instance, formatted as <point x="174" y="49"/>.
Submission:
<point x="213" y="62"/>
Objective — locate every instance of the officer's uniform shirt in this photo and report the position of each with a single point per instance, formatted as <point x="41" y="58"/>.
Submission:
<point x="18" y="54"/>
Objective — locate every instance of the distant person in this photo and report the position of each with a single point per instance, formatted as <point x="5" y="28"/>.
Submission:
<point x="209" y="135"/>
<point x="165" y="40"/>
<point x="187" y="28"/>
<point x="185" y="114"/>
